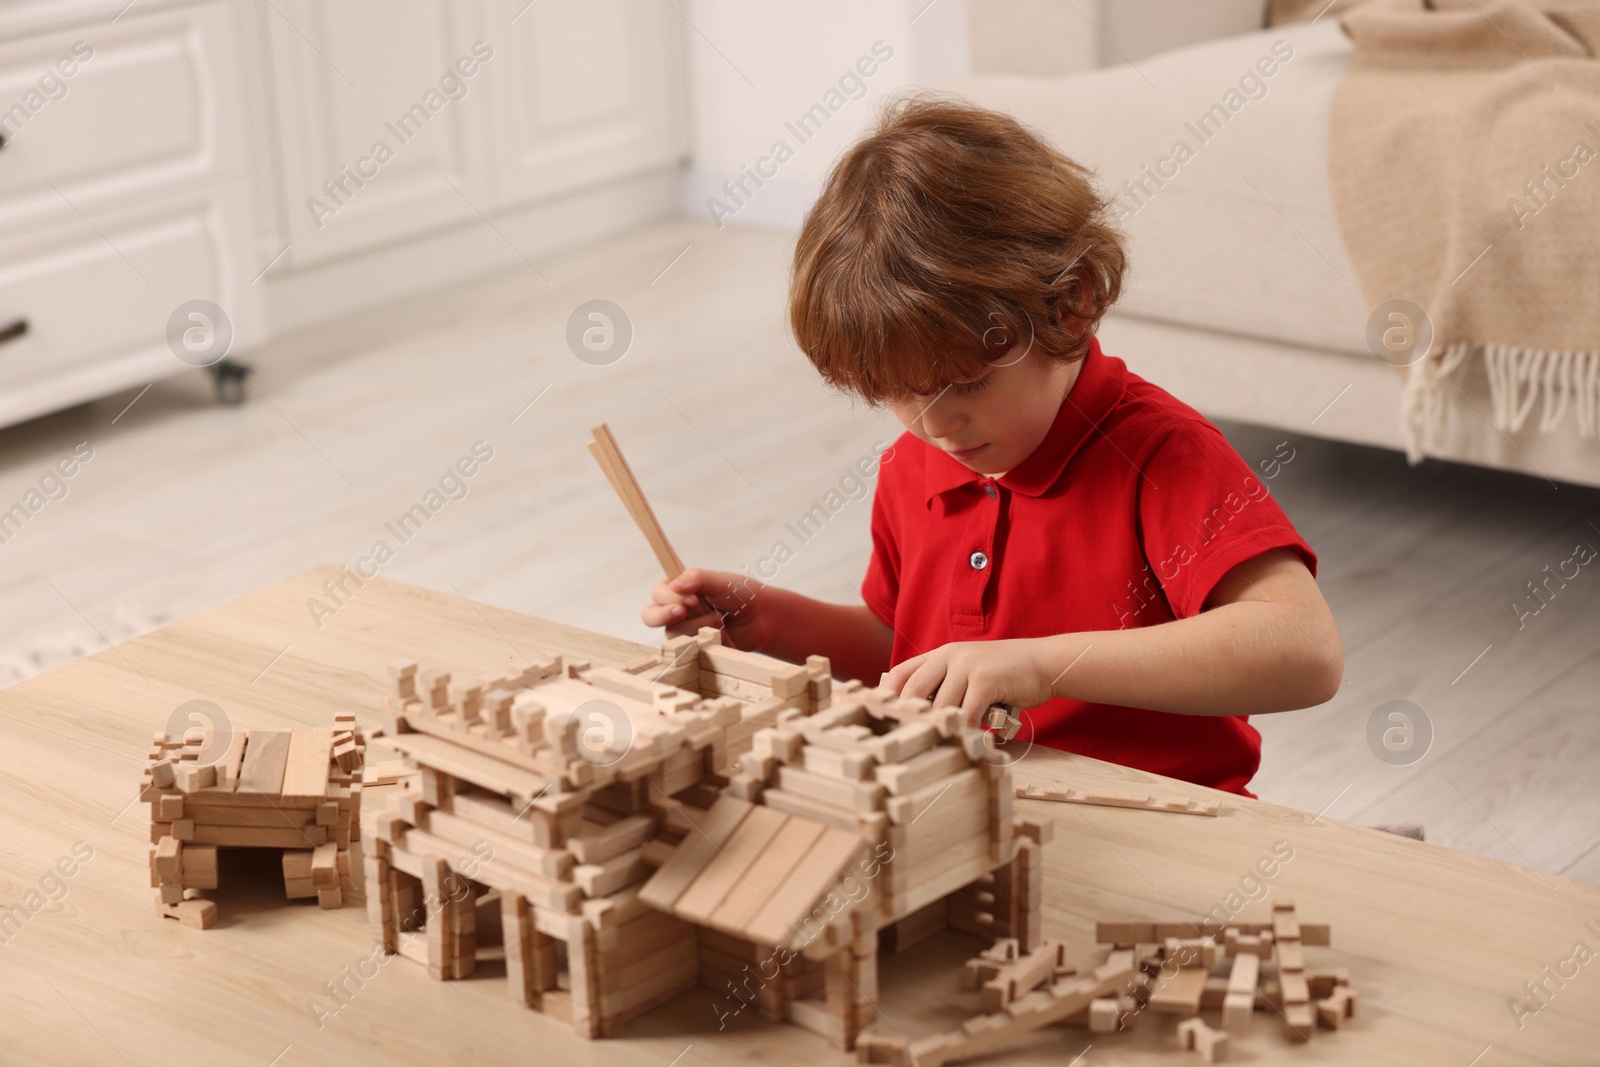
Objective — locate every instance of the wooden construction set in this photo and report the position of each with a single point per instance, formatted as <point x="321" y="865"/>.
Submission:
<point x="624" y="833"/>
<point x="658" y="824"/>
<point x="295" y="791"/>
<point x="1165" y="969"/>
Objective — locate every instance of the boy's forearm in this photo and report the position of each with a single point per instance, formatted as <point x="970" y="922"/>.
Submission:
<point x="1244" y="658"/>
<point x="855" y="641"/>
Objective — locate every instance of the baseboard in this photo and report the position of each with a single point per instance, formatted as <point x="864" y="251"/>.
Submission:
<point x="297" y="299"/>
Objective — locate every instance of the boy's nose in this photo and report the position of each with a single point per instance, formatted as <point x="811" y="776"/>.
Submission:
<point x="942" y="419"/>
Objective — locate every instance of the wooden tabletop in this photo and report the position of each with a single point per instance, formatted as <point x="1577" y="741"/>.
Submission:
<point x="1436" y="941"/>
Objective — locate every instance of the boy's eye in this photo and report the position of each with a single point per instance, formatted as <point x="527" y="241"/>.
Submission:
<point x="967" y="388"/>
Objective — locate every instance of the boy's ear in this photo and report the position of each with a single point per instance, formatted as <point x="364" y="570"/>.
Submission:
<point x="1071" y="323"/>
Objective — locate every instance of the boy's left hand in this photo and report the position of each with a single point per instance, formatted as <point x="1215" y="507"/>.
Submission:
<point x="975" y="674"/>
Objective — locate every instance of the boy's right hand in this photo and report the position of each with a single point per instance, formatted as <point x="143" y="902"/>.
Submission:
<point x="724" y="600"/>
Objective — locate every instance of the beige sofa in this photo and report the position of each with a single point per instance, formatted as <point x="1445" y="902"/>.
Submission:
<point x="1242" y="301"/>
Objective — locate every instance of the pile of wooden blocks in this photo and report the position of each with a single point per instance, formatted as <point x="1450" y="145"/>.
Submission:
<point x="702" y="815"/>
<point x="1188" y="969"/>
<point x="291" y="790"/>
<point x="1160" y="968"/>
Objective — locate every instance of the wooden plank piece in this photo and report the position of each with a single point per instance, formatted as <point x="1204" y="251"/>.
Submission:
<point x="766" y="875"/>
<point x="700" y="901"/>
<point x="1121" y="798"/>
<point x="1180" y="993"/>
<point x="696" y="850"/>
<point x="265" y="757"/>
<point x="822" y="868"/>
<point x="305" y="773"/>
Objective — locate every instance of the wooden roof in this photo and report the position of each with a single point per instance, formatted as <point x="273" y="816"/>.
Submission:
<point x="753" y="872"/>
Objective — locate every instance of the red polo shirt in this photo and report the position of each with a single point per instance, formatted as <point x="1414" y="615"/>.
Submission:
<point x="1127" y="514"/>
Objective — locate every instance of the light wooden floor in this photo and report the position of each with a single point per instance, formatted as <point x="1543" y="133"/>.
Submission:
<point x="186" y="504"/>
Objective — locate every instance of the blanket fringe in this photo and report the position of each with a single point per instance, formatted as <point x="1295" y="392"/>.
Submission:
<point x="1519" y="379"/>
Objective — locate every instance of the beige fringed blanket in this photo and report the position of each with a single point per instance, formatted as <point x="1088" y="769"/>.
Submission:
<point x="1464" y="156"/>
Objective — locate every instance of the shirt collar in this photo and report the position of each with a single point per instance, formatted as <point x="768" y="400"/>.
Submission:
<point x="1098" y="389"/>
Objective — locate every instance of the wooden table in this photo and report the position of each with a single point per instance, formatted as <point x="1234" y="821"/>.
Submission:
<point x="1436" y="941"/>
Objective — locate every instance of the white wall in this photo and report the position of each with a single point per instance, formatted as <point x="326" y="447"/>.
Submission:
<point x="755" y="65"/>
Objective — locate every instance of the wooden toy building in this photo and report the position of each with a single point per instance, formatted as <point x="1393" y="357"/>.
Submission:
<point x="703" y="815"/>
<point x="295" y="791"/>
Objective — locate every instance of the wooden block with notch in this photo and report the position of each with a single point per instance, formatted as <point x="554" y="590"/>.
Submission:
<point x="1211" y="1044"/>
<point x="1019" y="977"/>
<point x="1323" y="983"/>
<point x="1335" y="1008"/>
<point x="198" y="914"/>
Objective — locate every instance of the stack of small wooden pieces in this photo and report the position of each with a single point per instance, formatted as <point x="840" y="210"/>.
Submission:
<point x="296" y="791"/>
<point x="1120" y="798"/>
<point x="1190" y="969"/>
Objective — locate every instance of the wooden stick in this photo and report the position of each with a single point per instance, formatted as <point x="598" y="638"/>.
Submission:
<point x="620" y="475"/>
<point x="1117" y="798"/>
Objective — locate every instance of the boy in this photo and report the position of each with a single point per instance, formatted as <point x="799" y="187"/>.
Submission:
<point x="1051" y="531"/>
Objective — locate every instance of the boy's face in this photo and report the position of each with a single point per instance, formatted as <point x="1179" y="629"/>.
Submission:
<point x="993" y="422"/>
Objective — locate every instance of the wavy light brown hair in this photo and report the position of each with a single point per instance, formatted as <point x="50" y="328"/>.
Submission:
<point x="941" y="239"/>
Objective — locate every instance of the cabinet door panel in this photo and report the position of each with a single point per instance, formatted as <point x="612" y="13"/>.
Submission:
<point x="95" y="296"/>
<point x="111" y="115"/>
<point x="369" y="121"/>
<point x="591" y="90"/>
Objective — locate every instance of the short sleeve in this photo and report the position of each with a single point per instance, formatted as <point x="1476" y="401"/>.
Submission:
<point x="880" y="589"/>
<point x="1204" y="511"/>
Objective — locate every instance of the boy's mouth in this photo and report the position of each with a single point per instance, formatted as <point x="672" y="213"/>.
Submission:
<point x="964" y="454"/>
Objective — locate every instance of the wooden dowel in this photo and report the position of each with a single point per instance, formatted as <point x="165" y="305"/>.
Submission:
<point x="620" y="475"/>
<point x="619" y="486"/>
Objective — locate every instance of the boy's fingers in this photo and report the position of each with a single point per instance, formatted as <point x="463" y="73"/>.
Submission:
<point x="952" y="692"/>
<point x="663" y="613"/>
<point x="663" y="593"/>
<point x="896" y="676"/>
<point x="925" y="680"/>
<point x="692" y="627"/>
<point x="690" y="581"/>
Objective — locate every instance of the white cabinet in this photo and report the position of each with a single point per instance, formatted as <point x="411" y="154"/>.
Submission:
<point x="397" y="118"/>
<point x="293" y="159"/>
<point x="369" y="104"/>
<point x="587" y="91"/>
<point x="123" y="194"/>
